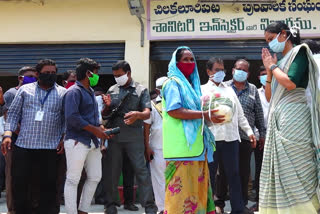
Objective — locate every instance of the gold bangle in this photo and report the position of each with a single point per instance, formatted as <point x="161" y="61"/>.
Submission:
<point x="268" y="82"/>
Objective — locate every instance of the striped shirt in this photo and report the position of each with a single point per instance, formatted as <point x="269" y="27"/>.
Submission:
<point x="252" y="108"/>
<point x="45" y="134"/>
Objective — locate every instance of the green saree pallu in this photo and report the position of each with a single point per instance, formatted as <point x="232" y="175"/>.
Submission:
<point x="289" y="182"/>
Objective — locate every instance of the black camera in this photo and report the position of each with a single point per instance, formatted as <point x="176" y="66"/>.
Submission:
<point x="113" y="131"/>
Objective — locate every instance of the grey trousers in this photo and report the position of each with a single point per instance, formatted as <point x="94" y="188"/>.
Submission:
<point x="112" y="168"/>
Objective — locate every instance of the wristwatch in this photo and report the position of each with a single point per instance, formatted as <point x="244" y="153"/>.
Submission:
<point x="272" y="67"/>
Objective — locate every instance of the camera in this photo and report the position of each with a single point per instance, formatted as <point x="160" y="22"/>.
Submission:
<point x="113" y="131"/>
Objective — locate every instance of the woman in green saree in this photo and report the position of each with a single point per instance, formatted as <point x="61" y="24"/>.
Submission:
<point x="289" y="177"/>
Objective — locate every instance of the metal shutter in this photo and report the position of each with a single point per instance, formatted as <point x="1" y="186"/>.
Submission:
<point x="203" y="50"/>
<point x="13" y="57"/>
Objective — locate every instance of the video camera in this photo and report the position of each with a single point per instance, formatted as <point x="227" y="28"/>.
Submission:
<point x="113" y="131"/>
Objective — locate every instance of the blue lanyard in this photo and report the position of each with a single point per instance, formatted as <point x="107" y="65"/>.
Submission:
<point x="42" y="101"/>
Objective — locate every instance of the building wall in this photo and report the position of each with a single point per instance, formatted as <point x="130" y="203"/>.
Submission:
<point x="76" y="21"/>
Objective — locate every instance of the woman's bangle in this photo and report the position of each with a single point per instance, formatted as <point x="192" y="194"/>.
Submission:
<point x="268" y="82"/>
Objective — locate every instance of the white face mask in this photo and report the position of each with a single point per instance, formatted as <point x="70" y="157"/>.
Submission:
<point x="122" y="80"/>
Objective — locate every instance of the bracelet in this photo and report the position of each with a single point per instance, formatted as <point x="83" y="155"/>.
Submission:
<point x="272" y="67"/>
<point x="268" y="82"/>
<point x="5" y="136"/>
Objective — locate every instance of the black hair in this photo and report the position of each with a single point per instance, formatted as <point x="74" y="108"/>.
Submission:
<point x="262" y="68"/>
<point x="313" y="45"/>
<point x="121" y="64"/>
<point x="179" y="53"/>
<point x="67" y="74"/>
<point x="212" y="61"/>
<point x="278" y="27"/>
<point x="242" y="60"/>
<point x="25" y="69"/>
<point x="44" y="62"/>
<point x="84" y="65"/>
<point x="153" y="94"/>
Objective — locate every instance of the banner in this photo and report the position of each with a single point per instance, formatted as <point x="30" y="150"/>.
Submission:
<point x="188" y="19"/>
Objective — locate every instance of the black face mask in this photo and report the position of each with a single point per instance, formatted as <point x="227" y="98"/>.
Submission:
<point x="48" y="79"/>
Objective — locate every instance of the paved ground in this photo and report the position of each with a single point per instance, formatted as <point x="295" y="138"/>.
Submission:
<point x="95" y="209"/>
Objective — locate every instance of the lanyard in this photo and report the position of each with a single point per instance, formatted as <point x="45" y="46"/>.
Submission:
<point x="42" y="101"/>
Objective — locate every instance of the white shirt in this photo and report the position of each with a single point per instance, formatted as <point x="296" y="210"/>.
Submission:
<point x="100" y="106"/>
<point x="155" y="120"/>
<point x="228" y="131"/>
<point x="265" y="108"/>
<point x="265" y="105"/>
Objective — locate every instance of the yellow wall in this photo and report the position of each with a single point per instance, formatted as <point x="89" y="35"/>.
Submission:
<point x="76" y="21"/>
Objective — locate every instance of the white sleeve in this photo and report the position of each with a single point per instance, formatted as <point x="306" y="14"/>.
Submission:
<point x="149" y="121"/>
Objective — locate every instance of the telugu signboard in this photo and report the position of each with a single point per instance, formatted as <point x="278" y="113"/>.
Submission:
<point x="188" y="19"/>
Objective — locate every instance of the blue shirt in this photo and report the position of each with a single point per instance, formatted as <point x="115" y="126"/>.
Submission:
<point x="81" y="110"/>
<point x="173" y="99"/>
<point x="45" y="134"/>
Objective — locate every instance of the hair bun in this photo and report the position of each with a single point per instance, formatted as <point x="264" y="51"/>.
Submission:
<point x="294" y="30"/>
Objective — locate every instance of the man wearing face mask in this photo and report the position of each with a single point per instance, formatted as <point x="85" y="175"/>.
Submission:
<point x="130" y="141"/>
<point x="26" y="75"/>
<point x="227" y="138"/>
<point x="153" y="147"/>
<point x="81" y="141"/>
<point x="39" y="110"/>
<point x="69" y="78"/>
<point x="249" y="98"/>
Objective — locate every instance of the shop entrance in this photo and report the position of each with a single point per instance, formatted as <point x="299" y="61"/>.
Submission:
<point x="13" y="57"/>
<point x="229" y="51"/>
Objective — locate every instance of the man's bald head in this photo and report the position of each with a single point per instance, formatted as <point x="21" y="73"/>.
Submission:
<point x="242" y="64"/>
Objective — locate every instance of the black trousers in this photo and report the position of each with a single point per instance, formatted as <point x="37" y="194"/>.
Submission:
<point x="112" y="169"/>
<point x="226" y="158"/>
<point x="245" y="151"/>
<point x="128" y="179"/>
<point x="221" y="187"/>
<point x="258" y="156"/>
<point x="25" y="164"/>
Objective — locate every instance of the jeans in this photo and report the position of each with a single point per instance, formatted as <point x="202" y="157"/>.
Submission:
<point x="80" y="156"/>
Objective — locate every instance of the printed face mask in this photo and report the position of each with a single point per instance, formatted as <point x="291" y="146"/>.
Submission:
<point x="263" y="80"/>
<point x="186" y="68"/>
<point x="94" y="79"/>
<point x="122" y="80"/>
<point x="240" y="75"/>
<point x="218" y="77"/>
<point x="277" y="46"/>
<point x="27" y="80"/>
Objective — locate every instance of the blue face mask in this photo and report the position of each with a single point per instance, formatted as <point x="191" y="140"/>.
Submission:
<point x="218" y="77"/>
<point x="240" y="75"/>
<point x="263" y="80"/>
<point x="277" y="46"/>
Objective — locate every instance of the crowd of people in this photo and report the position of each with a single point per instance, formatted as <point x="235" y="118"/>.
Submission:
<point x="61" y="144"/>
